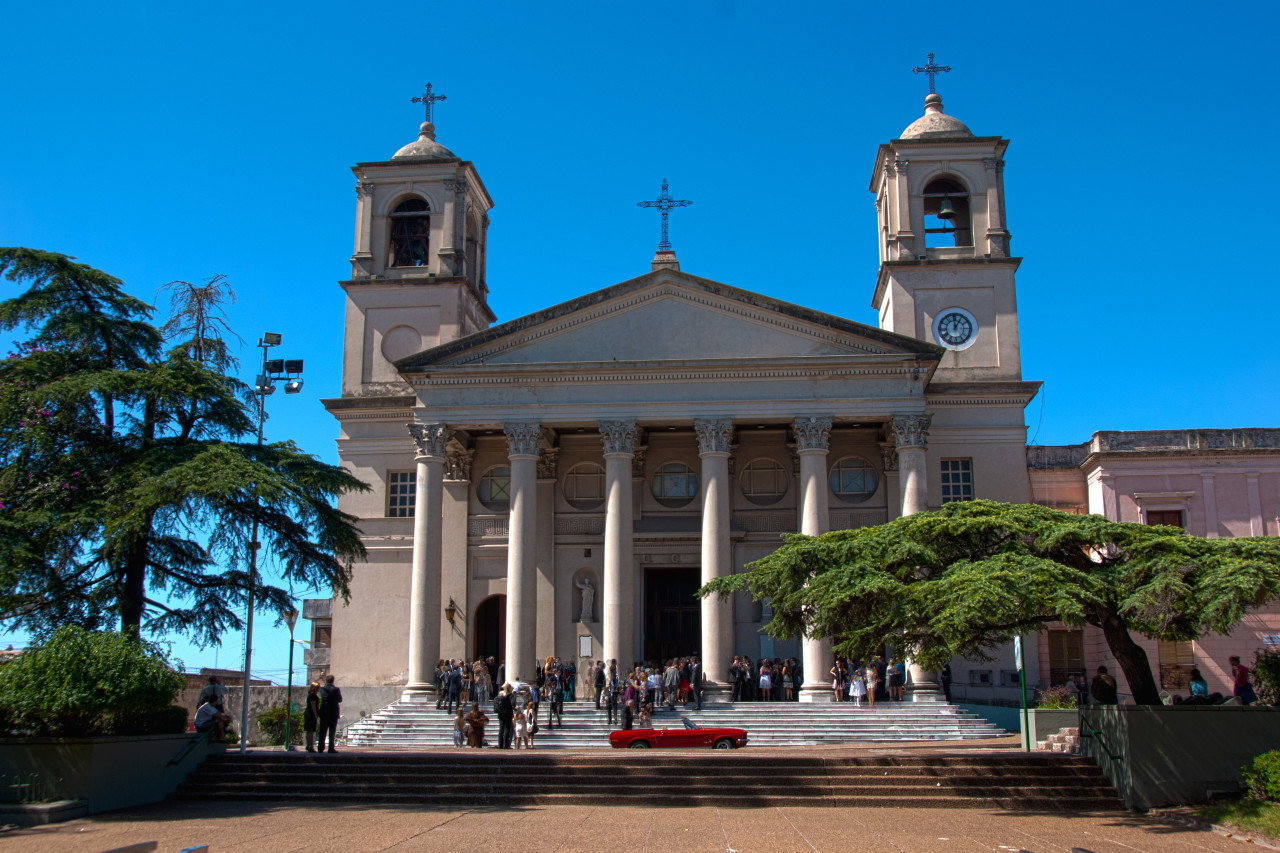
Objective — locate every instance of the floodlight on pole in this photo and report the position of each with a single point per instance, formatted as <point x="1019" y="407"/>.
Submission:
<point x="263" y="387"/>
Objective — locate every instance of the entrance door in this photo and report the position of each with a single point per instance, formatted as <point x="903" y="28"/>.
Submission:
<point x="672" y="616"/>
<point x="490" y="627"/>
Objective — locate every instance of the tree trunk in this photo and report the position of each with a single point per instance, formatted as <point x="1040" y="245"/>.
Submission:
<point x="133" y="596"/>
<point x="1132" y="659"/>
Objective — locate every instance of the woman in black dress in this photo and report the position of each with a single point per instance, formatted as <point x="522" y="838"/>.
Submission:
<point x="311" y="714"/>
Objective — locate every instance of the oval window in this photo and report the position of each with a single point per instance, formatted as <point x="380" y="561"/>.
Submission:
<point x="675" y="484"/>
<point x="494" y="489"/>
<point x="764" y="481"/>
<point x="853" y="480"/>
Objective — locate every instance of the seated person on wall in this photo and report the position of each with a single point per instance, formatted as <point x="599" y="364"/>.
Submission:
<point x="209" y="717"/>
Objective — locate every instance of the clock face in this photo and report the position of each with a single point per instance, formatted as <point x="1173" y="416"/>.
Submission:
<point x="955" y="328"/>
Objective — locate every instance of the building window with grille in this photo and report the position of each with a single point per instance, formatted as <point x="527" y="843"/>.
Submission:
<point x="1066" y="656"/>
<point x="400" y="494"/>
<point x="1170" y="517"/>
<point x="957" y="480"/>
<point x="584" y="486"/>
<point x="1177" y="659"/>
<point x="764" y="481"/>
<point x="853" y="479"/>
<point x="494" y="489"/>
<point x="675" y="485"/>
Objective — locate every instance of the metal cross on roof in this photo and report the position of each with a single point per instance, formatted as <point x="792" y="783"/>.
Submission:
<point x="429" y="99"/>
<point x="665" y="203"/>
<point x="932" y="70"/>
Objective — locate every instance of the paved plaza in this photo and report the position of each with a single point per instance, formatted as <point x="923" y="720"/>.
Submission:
<point x="253" y="828"/>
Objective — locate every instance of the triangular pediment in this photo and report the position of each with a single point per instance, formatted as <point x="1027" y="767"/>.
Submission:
<point x="663" y="317"/>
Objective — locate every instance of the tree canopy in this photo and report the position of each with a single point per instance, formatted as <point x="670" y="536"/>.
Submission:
<point x="967" y="578"/>
<point x="130" y="476"/>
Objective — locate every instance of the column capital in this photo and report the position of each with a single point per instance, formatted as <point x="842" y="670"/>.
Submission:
<point x="911" y="430"/>
<point x="812" y="433"/>
<point x="715" y="435"/>
<point x="619" y="437"/>
<point x="430" y="439"/>
<point x="548" y="463"/>
<point x="889" y="455"/>
<point x="457" y="463"/>
<point x="522" y="439"/>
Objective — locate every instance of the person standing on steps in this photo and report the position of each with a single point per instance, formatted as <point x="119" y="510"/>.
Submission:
<point x="311" y="715"/>
<point x="330" y="711"/>
<point x="1104" y="688"/>
<point x="695" y="683"/>
<point x="506" y="710"/>
<point x="599" y="681"/>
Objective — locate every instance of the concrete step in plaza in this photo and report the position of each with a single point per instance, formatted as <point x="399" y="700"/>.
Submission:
<point x="470" y="778"/>
<point x="417" y="725"/>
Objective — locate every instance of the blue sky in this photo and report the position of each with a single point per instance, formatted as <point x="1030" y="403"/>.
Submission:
<point x="162" y="141"/>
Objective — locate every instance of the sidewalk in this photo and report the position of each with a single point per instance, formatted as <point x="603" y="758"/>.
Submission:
<point x="252" y="828"/>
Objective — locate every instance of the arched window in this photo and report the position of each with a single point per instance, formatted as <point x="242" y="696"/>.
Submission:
<point x="584" y="486"/>
<point x="764" y="481"/>
<point x="946" y="215"/>
<point x="410" y="234"/>
<point x="494" y="489"/>
<point x="675" y="484"/>
<point x="853" y="480"/>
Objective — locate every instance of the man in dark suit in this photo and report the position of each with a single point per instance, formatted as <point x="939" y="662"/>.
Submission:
<point x="695" y="683"/>
<point x="454" y="680"/>
<point x="330" y="711"/>
<point x="599" y="681"/>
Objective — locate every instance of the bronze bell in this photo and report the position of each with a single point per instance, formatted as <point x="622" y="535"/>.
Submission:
<point x="946" y="211"/>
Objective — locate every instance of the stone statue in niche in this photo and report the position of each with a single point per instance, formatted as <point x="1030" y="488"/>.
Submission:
<point x="588" y="599"/>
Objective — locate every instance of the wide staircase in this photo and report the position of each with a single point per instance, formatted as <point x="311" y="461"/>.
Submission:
<point x="475" y="778"/>
<point x="416" y="725"/>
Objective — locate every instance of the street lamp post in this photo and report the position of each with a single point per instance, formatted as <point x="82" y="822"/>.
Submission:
<point x="291" y="617"/>
<point x="263" y="387"/>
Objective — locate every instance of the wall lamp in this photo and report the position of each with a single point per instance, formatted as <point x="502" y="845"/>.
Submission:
<point x="450" y="610"/>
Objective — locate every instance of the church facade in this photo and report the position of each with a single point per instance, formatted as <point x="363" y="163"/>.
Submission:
<point x="561" y="483"/>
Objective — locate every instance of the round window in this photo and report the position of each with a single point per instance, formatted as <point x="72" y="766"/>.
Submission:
<point x="584" y="486"/>
<point x="764" y="481"/>
<point x="494" y="489"/>
<point x="853" y="480"/>
<point x="675" y="484"/>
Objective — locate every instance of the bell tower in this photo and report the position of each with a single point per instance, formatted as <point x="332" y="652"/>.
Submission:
<point x="946" y="274"/>
<point x="418" y="272"/>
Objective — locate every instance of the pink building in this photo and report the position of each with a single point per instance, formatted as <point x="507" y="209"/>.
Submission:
<point x="1212" y="482"/>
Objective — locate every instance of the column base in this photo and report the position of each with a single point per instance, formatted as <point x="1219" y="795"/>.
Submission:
<point x="925" y="693"/>
<point x="418" y="693"/>
<point x="815" y="693"/>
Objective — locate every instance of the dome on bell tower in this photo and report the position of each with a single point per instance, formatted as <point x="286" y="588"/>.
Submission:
<point x="935" y="124"/>
<point x="425" y="146"/>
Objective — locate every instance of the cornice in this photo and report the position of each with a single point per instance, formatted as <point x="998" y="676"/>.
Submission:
<point x="887" y="268"/>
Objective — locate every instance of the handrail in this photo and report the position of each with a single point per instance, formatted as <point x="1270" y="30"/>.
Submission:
<point x="191" y="744"/>
<point x="1089" y="731"/>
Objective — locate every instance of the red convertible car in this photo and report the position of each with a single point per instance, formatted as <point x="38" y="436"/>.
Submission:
<point x="688" y="735"/>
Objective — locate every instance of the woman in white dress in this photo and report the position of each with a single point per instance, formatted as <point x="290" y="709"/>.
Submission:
<point x="522" y="729"/>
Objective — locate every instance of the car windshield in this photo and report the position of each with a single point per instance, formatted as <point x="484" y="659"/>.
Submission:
<point x="688" y="723"/>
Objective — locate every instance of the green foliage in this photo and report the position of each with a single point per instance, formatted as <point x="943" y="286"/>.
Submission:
<point x="1245" y="814"/>
<point x="1263" y="776"/>
<point x="967" y="578"/>
<point x="271" y="724"/>
<point x="85" y="683"/>
<point x="131" y="478"/>
<point x="1056" y="698"/>
<point x="1266" y="676"/>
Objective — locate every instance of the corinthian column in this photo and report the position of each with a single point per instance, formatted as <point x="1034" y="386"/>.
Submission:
<point x="618" y="605"/>
<point x="911" y="433"/>
<point x="522" y="555"/>
<point x="812" y="437"/>
<point x="424" y="586"/>
<point x="714" y="440"/>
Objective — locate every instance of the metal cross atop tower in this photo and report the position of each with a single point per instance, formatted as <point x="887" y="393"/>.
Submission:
<point x="665" y="203"/>
<point x="930" y="69"/>
<point x="429" y="99"/>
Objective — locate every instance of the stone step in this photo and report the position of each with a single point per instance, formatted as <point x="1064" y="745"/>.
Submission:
<point x="502" y="778"/>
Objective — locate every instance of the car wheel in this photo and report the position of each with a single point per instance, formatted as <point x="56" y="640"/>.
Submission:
<point x="723" y="743"/>
<point x="639" y="744"/>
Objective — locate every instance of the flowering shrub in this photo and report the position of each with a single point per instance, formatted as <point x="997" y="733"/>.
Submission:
<point x="1056" y="698"/>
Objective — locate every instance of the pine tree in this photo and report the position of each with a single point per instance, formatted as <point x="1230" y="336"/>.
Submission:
<point x="130" y="476"/>
<point x="969" y="577"/>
